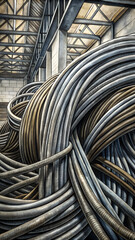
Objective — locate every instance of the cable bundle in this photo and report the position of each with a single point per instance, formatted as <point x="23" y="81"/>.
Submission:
<point x="73" y="176"/>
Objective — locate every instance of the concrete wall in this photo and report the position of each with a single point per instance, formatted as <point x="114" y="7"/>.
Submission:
<point x="124" y="26"/>
<point x="9" y="88"/>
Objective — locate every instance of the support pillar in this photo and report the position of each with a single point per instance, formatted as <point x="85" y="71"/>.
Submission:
<point x="42" y="75"/>
<point x="62" y="57"/>
<point x="36" y="78"/>
<point x="48" y="64"/>
<point x="59" y="52"/>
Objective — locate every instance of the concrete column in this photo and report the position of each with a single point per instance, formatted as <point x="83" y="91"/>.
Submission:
<point x="59" y="52"/>
<point x="62" y="57"/>
<point x="35" y="78"/>
<point x="42" y="75"/>
<point x="48" y="64"/>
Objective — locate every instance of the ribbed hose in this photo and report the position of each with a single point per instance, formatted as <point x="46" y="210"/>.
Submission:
<point x="67" y="160"/>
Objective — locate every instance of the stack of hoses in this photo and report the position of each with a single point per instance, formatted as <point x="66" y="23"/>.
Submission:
<point x="68" y="151"/>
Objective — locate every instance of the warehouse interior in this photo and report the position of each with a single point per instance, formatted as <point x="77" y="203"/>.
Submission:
<point x="55" y="58"/>
<point x="40" y="38"/>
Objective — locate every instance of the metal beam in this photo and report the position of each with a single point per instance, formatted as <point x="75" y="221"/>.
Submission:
<point x="22" y="6"/>
<point x="15" y="53"/>
<point x="8" y="3"/>
<point x="19" y="17"/>
<point x="5" y="44"/>
<point x="12" y="32"/>
<point x="91" y="22"/>
<point x="12" y="75"/>
<point x="119" y="3"/>
<point x="52" y="30"/>
<point x="70" y="60"/>
<point x="10" y="70"/>
<point x="73" y="54"/>
<point x="13" y="60"/>
<point x="69" y="14"/>
<point x="76" y="46"/>
<point x="83" y="35"/>
<point x="71" y="11"/>
<point x="13" y="65"/>
<point x="37" y="41"/>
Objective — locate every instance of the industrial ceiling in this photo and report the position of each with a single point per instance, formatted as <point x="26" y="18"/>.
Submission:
<point x="19" y="26"/>
<point x="28" y="27"/>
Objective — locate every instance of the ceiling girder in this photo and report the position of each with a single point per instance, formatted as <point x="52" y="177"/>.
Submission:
<point x="20" y="17"/>
<point x="14" y="65"/>
<point x="70" y="14"/>
<point x="73" y="53"/>
<point x="91" y="22"/>
<point x="11" y="70"/>
<point x="11" y="76"/>
<point x="25" y="45"/>
<point x="12" y="32"/>
<point x="76" y="46"/>
<point x="13" y="60"/>
<point x="15" y="53"/>
<point x="83" y="35"/>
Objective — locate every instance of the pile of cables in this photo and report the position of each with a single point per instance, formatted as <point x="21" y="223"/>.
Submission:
<point x="67" y="151"/>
